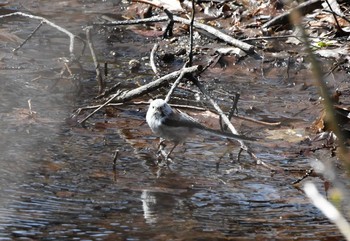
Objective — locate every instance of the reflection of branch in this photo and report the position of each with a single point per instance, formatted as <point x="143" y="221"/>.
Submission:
<point x="44" y="20"/>
<point x="328" y="209"/>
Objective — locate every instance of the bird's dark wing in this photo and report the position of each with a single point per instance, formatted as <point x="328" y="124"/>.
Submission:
<point x="180" y="119"/>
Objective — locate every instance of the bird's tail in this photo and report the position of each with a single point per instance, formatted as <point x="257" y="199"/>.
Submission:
<point x="229" y="135"/>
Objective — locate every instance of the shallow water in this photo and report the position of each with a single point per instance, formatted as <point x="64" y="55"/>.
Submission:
<point x="57" y="180"/>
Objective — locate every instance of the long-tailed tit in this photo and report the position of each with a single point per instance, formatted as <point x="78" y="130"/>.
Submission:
<point x="176" y="126"/>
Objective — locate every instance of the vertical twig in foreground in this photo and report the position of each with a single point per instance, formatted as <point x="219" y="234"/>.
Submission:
<point x="323" y="89"/>
<point x="327" y="209"/>
<point x="318" y="200"/>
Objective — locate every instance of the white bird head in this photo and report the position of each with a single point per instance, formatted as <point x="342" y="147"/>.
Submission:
<point x="159" y="108"/>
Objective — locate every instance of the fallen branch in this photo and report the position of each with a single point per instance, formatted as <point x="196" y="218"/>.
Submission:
<point x="128" y="95"/>
<point x="219" y="34"/>
<point x="303" y="8"/>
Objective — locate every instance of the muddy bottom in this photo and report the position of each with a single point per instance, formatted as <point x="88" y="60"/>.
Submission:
<point x="58" y="180"/>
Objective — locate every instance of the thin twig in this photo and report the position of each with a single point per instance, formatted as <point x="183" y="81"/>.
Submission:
<point x="324" y="92"/>
<point x="107" y="92"/>
<point x="176" y="83"/>
<point x="116" y="153"/>
<point x="232" y="110"/>
<point x="99" y="79"/>
<point x="190" y="55"/>
<point x="29" y="37"/>
<point x="338" y="27"/>
<point x="307" y="174"/>
<point x="99" y="108"/>
<point x="79" y="110"/>
<point x="245" y="118"/>
<point x="66" y="67"/>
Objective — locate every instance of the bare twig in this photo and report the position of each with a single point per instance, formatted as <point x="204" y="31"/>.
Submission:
<point x="126" y="96"/>
<point x="99" y="79"/>
<point x="67" y="67"/>
<point x="29" y="37"/>
<point x="116" y="153"/>
<point x="176" y="83"/>
<point x="30" y="107"/>
<point x="307" y="174"/>
<point x="107" y="92"/>
<point x="232" y="110"/>
<point x="91" y="107"/>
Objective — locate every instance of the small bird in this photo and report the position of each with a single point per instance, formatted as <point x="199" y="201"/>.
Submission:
<point x="176" y="126"/>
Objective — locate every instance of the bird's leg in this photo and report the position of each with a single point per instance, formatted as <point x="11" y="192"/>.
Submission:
<point x="160" y="150"/>
<point x="167" y="156"/>
<point x="161" y="145"/>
